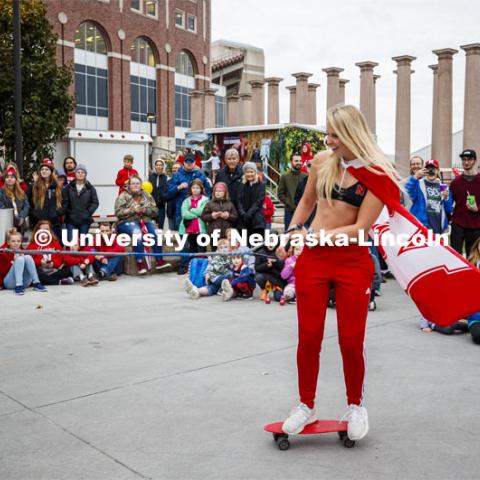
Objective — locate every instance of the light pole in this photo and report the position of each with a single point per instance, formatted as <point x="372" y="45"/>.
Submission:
<point x="17" y="69"/>
<point x="151" y="120"/>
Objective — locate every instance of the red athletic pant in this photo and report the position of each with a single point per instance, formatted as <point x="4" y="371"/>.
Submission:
<point x="349" y="270"/>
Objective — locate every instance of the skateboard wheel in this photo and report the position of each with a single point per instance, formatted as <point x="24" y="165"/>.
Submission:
<point x="342" y="435"/>
<point x="268" y="301"/>
<point x="347" y="443"/>
<point x="283" y="444"/>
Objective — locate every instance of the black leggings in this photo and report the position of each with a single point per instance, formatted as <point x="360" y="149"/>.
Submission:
<point x="462" y="326"/>
<point x="460" y="235"/>
<point x="475" y="332"/>
<point x="55" y="277"/>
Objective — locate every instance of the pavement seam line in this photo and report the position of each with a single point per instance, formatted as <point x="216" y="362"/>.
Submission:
<point x="204" y="367"/>
<point x="74" y="435"/>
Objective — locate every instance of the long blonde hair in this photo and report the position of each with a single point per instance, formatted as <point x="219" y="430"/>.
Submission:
<point x="350" y="126"/>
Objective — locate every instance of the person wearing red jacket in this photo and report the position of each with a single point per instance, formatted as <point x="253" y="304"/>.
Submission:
<point x="125" y="173"/>
<point x="81" y="266"/>
<point x="107" y="266"/>
<point x="18" y="271"/>
<point x="51" y="268"/>
<point x="268" y="212"/>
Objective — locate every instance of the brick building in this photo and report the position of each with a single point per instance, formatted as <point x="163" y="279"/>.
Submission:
<point x="133" y="58"/>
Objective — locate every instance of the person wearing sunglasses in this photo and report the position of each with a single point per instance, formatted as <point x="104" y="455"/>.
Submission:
<point x="466" y="198"/>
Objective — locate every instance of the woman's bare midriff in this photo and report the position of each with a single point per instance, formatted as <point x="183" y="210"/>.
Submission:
<point x="340" y="214"/>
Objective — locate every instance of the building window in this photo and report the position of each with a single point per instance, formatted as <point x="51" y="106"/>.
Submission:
<point x="179" y="18"/>
<point x="183" y="115"/>
<point x="141" y="52"/>
<point x="91" y="78"/>
<point x="184" y="64"/>
<point x="143" y="84"/>
<point x="179" y="144"/>
<point x="220" y="111"/>
<point x="151" y="7"/>
<point x="136" y="5"/>
<point x="192" y="23"/>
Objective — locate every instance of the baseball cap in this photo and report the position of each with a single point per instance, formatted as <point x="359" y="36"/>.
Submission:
<point x="189" y="159"/>
<point x="468" y="153"/>
<point x="432" y="163"/>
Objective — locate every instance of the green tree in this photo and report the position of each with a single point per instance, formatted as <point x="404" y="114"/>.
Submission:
<point x="46" y="103"/>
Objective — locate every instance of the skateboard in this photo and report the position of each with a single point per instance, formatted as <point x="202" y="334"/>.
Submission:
<point x="318" y="427"/>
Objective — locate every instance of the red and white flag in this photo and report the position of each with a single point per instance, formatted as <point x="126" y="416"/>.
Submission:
<point x="442" y="283"/>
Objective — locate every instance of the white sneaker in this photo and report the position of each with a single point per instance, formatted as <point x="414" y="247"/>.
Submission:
<point x="189" y="286"/>
<point x="357" y="418"/>
<point x="227" y="290"/>
<point x="299" y="418"/>
<point x="194" y="293"/>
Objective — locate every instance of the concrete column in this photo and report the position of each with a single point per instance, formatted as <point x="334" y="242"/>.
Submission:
<point x="258" y="102"/>
<point x="312" y="93"/>
<point x="232" y="111"/>
<point x="367" y="92"/>
<point x="471" y="118"/>
<point x="210" y="113"/>
<point x="375" y="78"/>
<point x="403" y="114"/>
<point x="301" y="111"/>
<point x="434" y="109"/>
<point x="442" y="143"/>
<point x="197" y="98"/>
<point x="293" y="103"/>
<point x="333" y="85"/>
<point x="342" y="82"/>
<point x="245" y="109"/>
<point x="273" y="100"/>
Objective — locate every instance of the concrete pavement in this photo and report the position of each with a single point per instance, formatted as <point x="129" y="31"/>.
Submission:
<point x="132" y="380"/>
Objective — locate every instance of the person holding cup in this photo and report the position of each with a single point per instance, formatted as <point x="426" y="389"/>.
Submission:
<point x="431" y="199"/>
<point x="466" y="197"/>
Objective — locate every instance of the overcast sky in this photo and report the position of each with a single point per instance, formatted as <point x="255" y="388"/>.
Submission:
<point x="308" y="35"/>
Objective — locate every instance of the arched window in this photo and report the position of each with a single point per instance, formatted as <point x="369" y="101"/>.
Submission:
<point x="143" y="84"/>
<point x="91" y="78"/>
<point x="184" y="64"/>
<point x="184" y="84"/>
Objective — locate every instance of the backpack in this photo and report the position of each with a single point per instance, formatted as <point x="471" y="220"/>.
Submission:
<point x="196" y="271"/>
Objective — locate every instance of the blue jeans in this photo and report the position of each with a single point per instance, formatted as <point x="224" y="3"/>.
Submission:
<point x="214" y="287"/>
<point x="287" y="218"/>
<point x="160" y="218"/>
<point x="81" y="229"/>
<point x="133" y="228"/>
<point x="114" y="265"/>
<point x="22" y="273"/>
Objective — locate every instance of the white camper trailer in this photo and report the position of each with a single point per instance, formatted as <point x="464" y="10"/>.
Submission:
<point x="102" y="153"/>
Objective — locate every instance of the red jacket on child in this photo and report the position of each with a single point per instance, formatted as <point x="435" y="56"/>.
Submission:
<point x="114" y="248"/>
<point x="71" y="260"/>
<point x="122" y="176"/>
<point x="6" y="262"/>
<point x="268" y="209"/>
<point x="57" y="259"/>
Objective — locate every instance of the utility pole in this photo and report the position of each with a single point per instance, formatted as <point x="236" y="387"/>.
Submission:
<point x="17" y="68"/>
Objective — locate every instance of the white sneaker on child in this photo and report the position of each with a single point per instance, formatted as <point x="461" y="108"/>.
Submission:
<point x="194" y="293"/>
<point x="227" y="290"/>
<point x="299" y="418"/>
<point x="357" y="418"/>
<point x="188" y="285"/>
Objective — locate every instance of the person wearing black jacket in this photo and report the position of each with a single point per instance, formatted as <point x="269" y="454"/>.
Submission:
<point x="268" y="268"/>
<point x="250" y="198"/>
<point x="298" y="196"/>
<point x="45" y="198"/>
<point x="231" y="174"/>
<point x="80" y="202"/>
<point x="159" y="181"/>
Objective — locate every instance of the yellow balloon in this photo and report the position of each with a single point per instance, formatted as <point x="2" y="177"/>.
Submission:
<point x="147" y="187"/>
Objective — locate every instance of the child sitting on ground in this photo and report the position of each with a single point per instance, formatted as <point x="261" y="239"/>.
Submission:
<point x="268" y="268"/>
<point x="236" y="247"/>
<point x="81" y="266"/>
<point x="288" y="274"/>
<point x="18" y="271"/>
<point x="242" y="284"/>
<point x="219" y="269"/>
